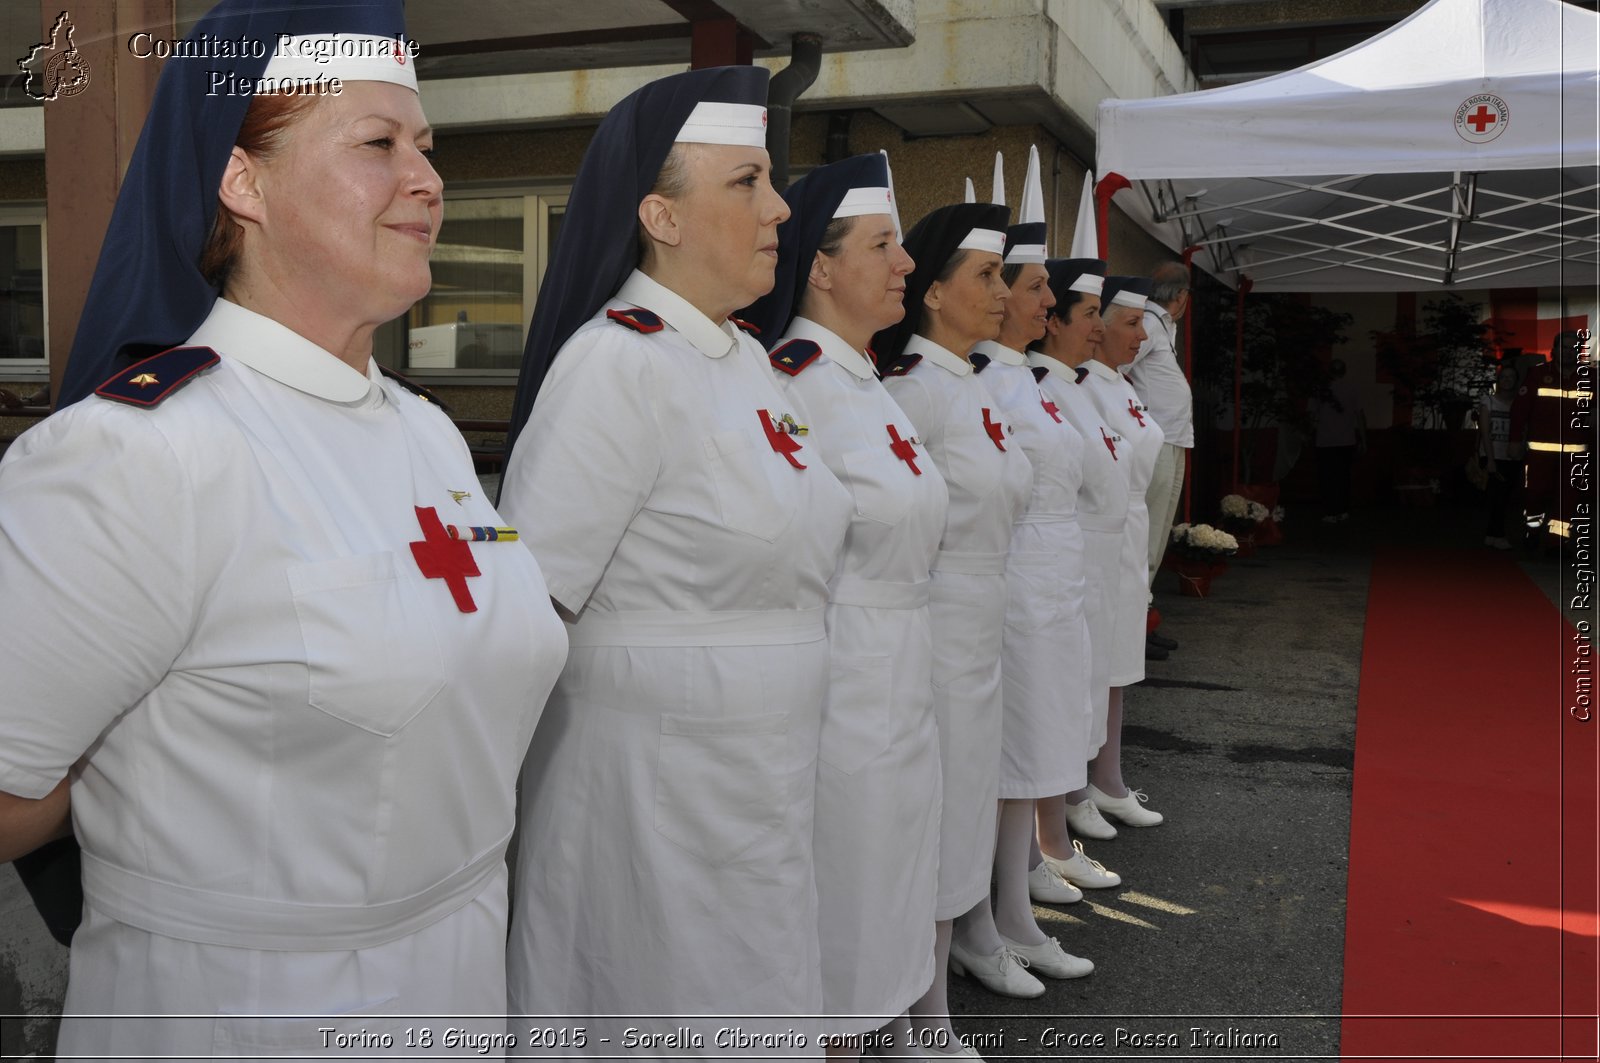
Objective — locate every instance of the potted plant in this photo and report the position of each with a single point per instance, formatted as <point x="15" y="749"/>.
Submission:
<point x="1197" y="554"/>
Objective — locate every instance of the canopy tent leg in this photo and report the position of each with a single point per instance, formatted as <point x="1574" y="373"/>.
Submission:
<point x="1238" y="368"/>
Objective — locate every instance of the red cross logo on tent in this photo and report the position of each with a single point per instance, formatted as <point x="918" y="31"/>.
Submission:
<point x="1482" y="118"/>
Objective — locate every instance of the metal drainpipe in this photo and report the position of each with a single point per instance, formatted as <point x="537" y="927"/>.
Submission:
<point x="805" y="60"/>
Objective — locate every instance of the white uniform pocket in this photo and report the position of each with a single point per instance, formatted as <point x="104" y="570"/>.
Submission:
<point x="856" y="726"/>
<point x="370" y="646"/>
<point x="740" y="467"/>
<point x="880" y="483"/>
<point x="720" y="782"/>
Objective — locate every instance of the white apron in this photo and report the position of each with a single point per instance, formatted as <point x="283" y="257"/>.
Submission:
<point x="988" y="479"/>
<point x="877" y="831"/>
<point x="302" y="751"/>
<point x="664" y="867"/>
<point x="1046" y="661"/>
<point x="1102" y="514"/>
<point x="1141" y="443"/>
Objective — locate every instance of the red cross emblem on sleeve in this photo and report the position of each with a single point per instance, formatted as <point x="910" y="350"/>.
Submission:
<point x="441" y="557"/>
<point x="1111" y="444"/>
<point x="902" y="449"/>
<point x="779" y="440"/>
<point x="996" y="430"/>
<point x="1051" y="408"/>
<point x="1137" y="415"/>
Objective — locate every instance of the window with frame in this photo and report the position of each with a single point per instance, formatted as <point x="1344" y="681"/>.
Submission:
<point x="24" y="343"/>
<point x="490" y="258"/>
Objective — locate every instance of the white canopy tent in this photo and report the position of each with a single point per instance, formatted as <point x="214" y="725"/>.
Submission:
<point x="1460" y="148"/>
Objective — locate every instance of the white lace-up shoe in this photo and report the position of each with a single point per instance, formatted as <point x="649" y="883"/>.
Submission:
<point x="1050" y="959"/>
<point x="1047" y="887"/>
<point x="1086" y="821"/>
<point x="1129" y="809"/>
<point x="1000" y="972"/>
<point x="1083" y="872"/>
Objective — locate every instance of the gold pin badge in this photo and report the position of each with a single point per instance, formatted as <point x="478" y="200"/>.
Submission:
<point x="460" y="495"/>
<point x="144" y="380"/>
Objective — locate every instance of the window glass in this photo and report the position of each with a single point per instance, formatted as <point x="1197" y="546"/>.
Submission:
<point x="22" y="316"/>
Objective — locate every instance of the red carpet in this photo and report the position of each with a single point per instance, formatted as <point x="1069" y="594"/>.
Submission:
<point x="1471" y="928"/>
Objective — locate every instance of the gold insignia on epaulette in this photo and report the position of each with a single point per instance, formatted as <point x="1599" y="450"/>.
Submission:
<point x="144" y="380"/>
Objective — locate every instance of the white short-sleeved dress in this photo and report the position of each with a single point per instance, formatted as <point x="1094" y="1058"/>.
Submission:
<point x="301" y="750"/>
<point x="1102" y="516"/>
<point x="1141" y="443"/>
<point x="665" y="862"/>
<point x="989" y="478"/>
<point x="877" y="832"/>
<point x="1046" y="661"/>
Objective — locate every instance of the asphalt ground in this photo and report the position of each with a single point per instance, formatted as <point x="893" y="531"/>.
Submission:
<point x="1230" y="918"/>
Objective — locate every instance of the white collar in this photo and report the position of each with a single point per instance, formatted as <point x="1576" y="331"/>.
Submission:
<point x="1055" y="366"/>
<point x="1100" y="369"/>
<point x="837" y="350"/>
<point x="709" y="338"/>
<point x="277" y="351"/>
<point x="939" y="356"/>
<point x="999" y="352"/>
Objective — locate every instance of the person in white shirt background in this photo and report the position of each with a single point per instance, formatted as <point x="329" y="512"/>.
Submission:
<point x="1159" y="381"/>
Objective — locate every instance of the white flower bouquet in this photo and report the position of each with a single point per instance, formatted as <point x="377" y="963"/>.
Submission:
<point x="1243" y="510"/>
<point x="1202" y="542"/>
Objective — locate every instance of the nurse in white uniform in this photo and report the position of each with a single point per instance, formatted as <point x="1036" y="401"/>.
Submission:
<point x="1045" y="660"/>
<point x="955" y="299"/>
<point x="1123" y="303"/>
<point x="688" y="529"/>
<point x="277" y="647"/>
<point x="1072" y="333"/>
<point x="841" y="278"/>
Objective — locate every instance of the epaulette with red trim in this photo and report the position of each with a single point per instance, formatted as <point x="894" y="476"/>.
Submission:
<point x="149" y="382"/>
<point x="794" y="356"/>
<point x="415" y="388"/>
<point x="636" y="318"/>
<point x="1082" y="371"/>
<point x="747" y="326"/>
<point x="1039" y="373"/>
<point x="899" y="365"/>
<point x="980" y="362"/>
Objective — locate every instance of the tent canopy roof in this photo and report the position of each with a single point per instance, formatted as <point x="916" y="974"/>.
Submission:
<point x="1458" y="148"/>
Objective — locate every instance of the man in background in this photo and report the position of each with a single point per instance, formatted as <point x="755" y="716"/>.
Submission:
<point x="1161" y="385"/>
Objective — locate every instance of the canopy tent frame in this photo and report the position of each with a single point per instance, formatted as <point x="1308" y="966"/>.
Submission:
<point x="1369" y="170"/>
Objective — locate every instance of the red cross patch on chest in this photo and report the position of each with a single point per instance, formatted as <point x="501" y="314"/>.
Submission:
<point x="996" y="430"/>
<point x="902" y="449"/>
<point x="779" y="439"/>
<point x="441" y="557"/>
<point x="1110" y="441"/>
<point x="1138" y="414"/>
<point x="1051" y="408"/>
